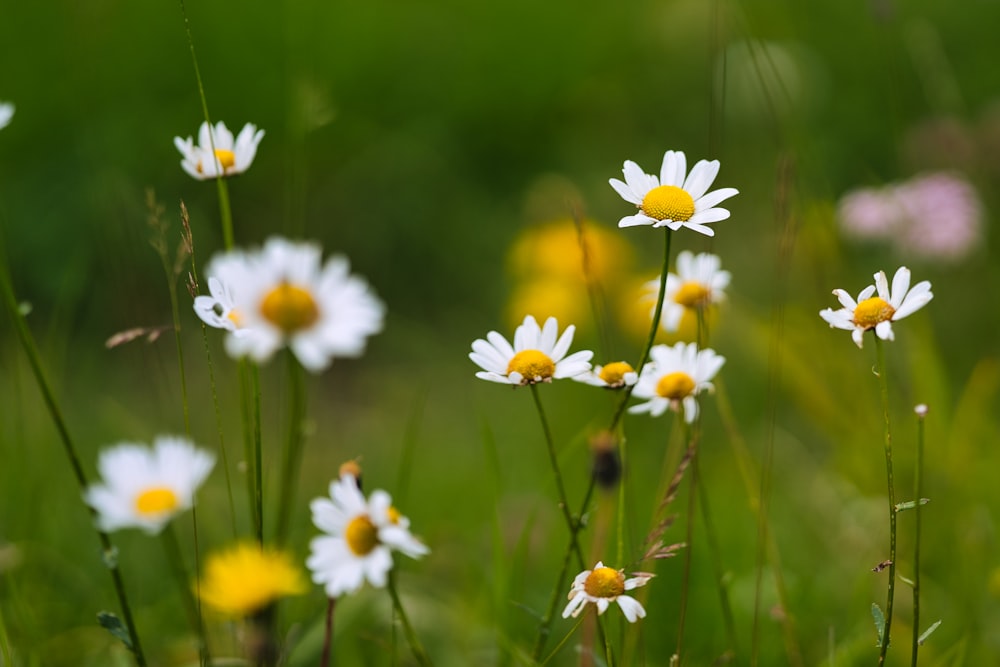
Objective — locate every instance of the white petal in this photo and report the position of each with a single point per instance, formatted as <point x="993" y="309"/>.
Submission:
<point x="701" y="177"/>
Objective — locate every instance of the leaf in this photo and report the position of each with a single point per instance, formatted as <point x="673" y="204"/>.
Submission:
<point x="927" y="633"/>
<point x="114" y="625"/>
<point x="879" y="622"/>
<point x="911" y="504"/>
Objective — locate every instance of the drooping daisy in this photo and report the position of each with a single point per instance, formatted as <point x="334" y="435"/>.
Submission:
<point x="217" y="152"/>
<point x="6" y="113"/>
<point x="360" y="537"/>
<point x="145" y="488"/>
<point x="878" y="312"/>
<point x="602" y="586"/>
<point x="246" y="578"/>
<point x="672" y="200"/>
<point x="536" y="355"/>
<point x="674" y="378"/>
<point x="698" y="283"/>
<point x="615" y="375"/>
<point x="281" y="295"/>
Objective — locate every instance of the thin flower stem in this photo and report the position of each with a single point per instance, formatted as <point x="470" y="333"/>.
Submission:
<point x="324" y="660"/>
<point x="884" y="385"/>
<point x="419" y="654"/>
<point x="917" y="495"/>
<point x="251" y="445"/>
<point x="653" y="328"/>
<point x="560" y="487"/>
<point x="562" y="642"/>
<point x="689" y="538"/>
<point x="175" y="556"/>
<point x="108" y="549"/>
<point x="293" y="446"/>
<point x="609" y="654"/>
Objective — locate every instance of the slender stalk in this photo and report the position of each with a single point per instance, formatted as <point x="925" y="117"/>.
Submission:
<point x="324" y="660"/>
<point x="419" y="654"/>
<point x="34" y="360"/>
<point x="293" y="447"/>
<point x="689" y="539"/>
<point x="250" y="415"/>
<point x="192" y="608"/>
<point x="609" y="654"/>
<point x="554" y="460"/>
<point x="890" y="594"/>
<point x="921" y="411"/>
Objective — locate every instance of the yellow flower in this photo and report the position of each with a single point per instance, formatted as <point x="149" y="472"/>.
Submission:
<point x="558" y="250"/>
<point x="246" y="578"/>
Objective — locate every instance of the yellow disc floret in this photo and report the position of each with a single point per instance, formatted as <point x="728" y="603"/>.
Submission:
<point x="614" y="373"/>
<point x="361" y="535"/>
<point x="604" y="582"/>
<point x="156" y="500"/>
<point x="675" y="386"/>
<point x="246" y="578"/>
<point x="226" y="158"/>
<point x="290" y="308"/>
<point x="668" y="202"/>
<point x="394" y="515"/>
<point x="693" y="295"/>
<point x="871" y="312"/>
<point x="533" y="365"/>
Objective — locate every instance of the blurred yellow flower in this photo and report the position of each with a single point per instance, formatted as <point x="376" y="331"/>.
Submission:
<point x="566" y="301"/>
<point x="558" y="249"/>
<point x="247" y="578"/>
<point x="636" y="305"/>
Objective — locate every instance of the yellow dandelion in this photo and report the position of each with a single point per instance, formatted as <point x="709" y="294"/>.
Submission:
<point x="246" y="578"/>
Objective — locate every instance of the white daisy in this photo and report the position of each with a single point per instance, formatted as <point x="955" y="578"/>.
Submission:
<point x="217" y="152"/>
<point x="602" y="586"/>
<point x="360" y="537"/>
<point x="698" y="283"/>
<point x="674" y="378"/>
<point x="281" y="295"/>
<point x="672" y="200"/>
<point x="6" y="113"/>
<point x="615" y="375"/>
<point x="145" y="488"/>
<point x="878" y="312"/>
<point x="536" y="355"/>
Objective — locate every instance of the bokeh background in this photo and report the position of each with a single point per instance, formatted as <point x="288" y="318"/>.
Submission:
<point x="436" y="143"/>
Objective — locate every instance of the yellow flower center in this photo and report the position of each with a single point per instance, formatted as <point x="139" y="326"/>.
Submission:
<point x="226" y="158"/>
<point x="693" y="295"/>
<point x="872" y="311"/>
<point x="156" y="500"/>
<point x="290" y="308"/>
<point x="668" y="202"/>
<point x="234" y="317"/>
<point x="604" y="582"/>
<point x="361" y="535"/>
<point x="614" y="373"/>
<point x="532" y="365"/>
<point x="675" y="386"/>
<point x="394" y="515"/>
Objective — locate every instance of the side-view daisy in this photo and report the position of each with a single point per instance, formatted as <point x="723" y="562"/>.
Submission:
<point x="615" y="375"/>
<point x="698" y="283"/>
<point x="360" y="535"/>
<point x="676" y="199"/>
<point x="674" y="378"/>
<point x="6" y="113"/>
<point x="602" y="586"/>
<point x="536" y="356"/>
<point x="145" y="488"/>
<point x="245" y="578"/>
<point x="282" y="295"/>
<point x="878" y="312"/>
<point x="217" y="152"/>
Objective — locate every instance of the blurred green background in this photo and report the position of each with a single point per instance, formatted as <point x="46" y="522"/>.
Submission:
<point x="423" y="139"/>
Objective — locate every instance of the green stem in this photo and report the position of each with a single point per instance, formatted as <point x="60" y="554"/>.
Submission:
<point x="192" y="608"/>
<point x="34" y="360"/>
<point x="921" y="411"/>
<point x="554" y="461"/>
<point x="689" y="538"/>
<point x="419" y="654"/>
<point x="890" y="594"/>
<point x="293" y="446"/>
<point x="250" y="414"/>
<point x="324" y="660"/>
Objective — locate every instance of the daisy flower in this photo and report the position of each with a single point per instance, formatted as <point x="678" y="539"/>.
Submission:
<point x="360" y="537"/>
<point x="536" y="355"/>
<point x="615" y="375"/>
<point x="6" y="113"/>
<point x="674" y="378"/>
<point x="602" y="586"/>
<point x="145" y="488"/>
<point x="878" y="312"/>
<point x="217" y="152"/>
<point x="281" y="295"/>
<point x="698" y="283"/>
<point x="672" y="200"/>
<point x="246" y="578"/>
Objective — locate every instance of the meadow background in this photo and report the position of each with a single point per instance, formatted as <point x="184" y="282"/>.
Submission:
<point x="424" y="140"/>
